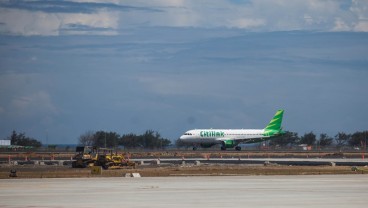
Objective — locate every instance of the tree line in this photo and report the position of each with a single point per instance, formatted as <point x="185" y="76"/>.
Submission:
<point x="153" y="140"/>
<point x="357" y="139"/>
<point x="20" y="139"/>
<point x="149" y="140"/>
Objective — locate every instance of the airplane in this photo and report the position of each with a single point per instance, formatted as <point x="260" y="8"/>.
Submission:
<point x="230" y="138"/>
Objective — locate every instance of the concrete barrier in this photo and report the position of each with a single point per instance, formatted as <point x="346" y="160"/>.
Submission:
<point x="136" y="175"/>
<point x="156" y="162"/>
<point x="132" y="175"/>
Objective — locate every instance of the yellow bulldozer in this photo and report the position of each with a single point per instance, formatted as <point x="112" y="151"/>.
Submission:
<point x="106" y="158"/>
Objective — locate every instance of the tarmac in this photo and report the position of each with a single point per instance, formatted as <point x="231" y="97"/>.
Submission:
<point x="224" y="191"/>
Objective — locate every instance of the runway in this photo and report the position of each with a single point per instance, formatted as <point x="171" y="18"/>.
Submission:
<point x="245" y="191"/>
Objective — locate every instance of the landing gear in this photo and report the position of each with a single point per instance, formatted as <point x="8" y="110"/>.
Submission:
<point x="223" y="148"/>
<point x="237" y="148"/>
<point x="194" y="148"/>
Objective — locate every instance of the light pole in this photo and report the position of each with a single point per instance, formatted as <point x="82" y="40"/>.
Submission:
<point x="105" y="139"/>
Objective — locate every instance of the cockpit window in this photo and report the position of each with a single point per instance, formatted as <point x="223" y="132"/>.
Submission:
<point x="187" y="134"/>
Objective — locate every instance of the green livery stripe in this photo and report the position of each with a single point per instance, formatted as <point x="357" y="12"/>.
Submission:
<point x="274" y="126"/>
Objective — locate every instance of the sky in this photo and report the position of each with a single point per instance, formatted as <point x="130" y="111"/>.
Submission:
<point x="69" y="67"/>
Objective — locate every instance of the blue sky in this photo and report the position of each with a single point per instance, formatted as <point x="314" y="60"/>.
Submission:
<point x="68" y="67"/>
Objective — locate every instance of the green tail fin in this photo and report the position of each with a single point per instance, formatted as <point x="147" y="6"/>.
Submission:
<point x="274" y="126"/>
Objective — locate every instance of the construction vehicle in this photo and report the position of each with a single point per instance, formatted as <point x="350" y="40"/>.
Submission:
<point x="88" y="156"/>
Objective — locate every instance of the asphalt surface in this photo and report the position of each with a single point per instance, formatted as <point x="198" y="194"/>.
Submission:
<point x="248" y="191"/>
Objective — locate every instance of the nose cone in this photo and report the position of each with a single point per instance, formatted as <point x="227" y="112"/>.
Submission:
<point x="182" y="137"/>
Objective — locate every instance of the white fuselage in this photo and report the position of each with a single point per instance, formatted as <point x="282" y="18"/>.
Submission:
<point x="218" y="135"/>
<point x="230" y="138"/>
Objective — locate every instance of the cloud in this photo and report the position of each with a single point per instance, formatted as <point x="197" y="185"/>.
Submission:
<point x="340" y="25"/>
<point x="25" y="96"/>
<point x="257" y="15"/>
<point x="68" y="6"/>
<point x="247" y="23"/>
<point x="23" y="22"/>
<point x="263" y="15"/>
<point x="182" y="73"/>
<point x="32" y="104"/>
<point x="360" y="9"/>
<point x="52" y="18"/>
<point x="200" y="84"/>
<point x="170" y="85"/>
<point x="97" y="17"/>
<point x="362" y="26"/>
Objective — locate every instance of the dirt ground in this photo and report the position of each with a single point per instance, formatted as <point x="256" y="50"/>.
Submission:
<point x="162" y="170"/>
<point x="185" y="154"/>
<point x="30" y="171"/>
